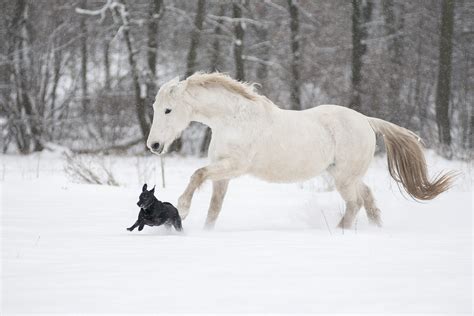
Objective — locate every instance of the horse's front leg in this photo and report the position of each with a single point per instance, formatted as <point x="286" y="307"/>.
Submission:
<point x="219" y="189"/>
<point x="220" y="170"/>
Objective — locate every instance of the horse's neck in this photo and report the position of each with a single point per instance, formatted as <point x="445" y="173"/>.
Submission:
<point x="210" y="114"/>
<point x="220" y="110"/>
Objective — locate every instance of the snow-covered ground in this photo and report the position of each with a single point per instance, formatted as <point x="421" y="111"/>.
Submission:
<point x="275" y="248"/>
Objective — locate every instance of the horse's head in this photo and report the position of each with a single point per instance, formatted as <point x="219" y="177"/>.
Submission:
<point x="171" y="116"/>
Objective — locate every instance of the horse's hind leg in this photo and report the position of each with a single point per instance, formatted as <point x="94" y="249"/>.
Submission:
<point x="350" y="194"/>
<point x="373" y="212"/>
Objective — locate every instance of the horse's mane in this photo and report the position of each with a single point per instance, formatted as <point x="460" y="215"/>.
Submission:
<point x="245" y="89"/>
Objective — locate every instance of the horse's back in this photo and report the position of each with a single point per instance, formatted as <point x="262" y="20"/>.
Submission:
<point x="341" y="121"/>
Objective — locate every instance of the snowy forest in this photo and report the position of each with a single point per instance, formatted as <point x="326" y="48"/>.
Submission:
<point x="86" y="209"/>
<point x="84" y="73"/>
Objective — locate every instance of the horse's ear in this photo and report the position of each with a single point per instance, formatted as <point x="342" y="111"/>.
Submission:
<point x="144" y="187"/>
<point x="153" y="190"/>
<point x="177" y="87"/>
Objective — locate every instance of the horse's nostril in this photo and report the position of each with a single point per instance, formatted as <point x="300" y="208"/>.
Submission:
<point x="155" y="146"/>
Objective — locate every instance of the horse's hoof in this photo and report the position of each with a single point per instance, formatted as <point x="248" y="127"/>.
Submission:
<point x="209" y="226"/>
<point x="183" y="208"/>
<point x="375" y="217"/>
<point x="376" y="222"/>
<point x="343" y="225"/>
<point x="183" y="214"/>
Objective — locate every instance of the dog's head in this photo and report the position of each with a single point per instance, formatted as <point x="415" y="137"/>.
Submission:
<point x="146" y="197"/>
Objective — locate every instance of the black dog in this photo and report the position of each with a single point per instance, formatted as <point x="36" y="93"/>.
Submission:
<point x="155" y="213"/>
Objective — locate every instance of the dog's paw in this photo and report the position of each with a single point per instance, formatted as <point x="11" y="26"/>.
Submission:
<point x="129" y="229"/>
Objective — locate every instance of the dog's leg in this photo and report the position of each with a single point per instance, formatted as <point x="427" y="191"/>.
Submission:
<point x="219" y="170"/>
<point x="134" y="226"/>
<point x="168" y="226"/>
<point x="140" y="228"/>
<point x="177" y="224"/>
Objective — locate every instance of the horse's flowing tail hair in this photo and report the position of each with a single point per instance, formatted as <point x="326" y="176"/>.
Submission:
<point x="406" y="162"/>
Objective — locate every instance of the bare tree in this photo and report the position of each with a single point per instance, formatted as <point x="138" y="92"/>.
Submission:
<point x="443" y="90"/>
<point x="54" y="62"/>
<point x="156" y="7"/>
<point x="361" y="13"/>
<point x="121" y="11"/>
<point x="214" y="66"/>
<point x="195" y="36"/>
<point x="295" y="55"/>
<point x="264" y="53"/>
<point x="216" y="44"/>
<point x="57" y="60"/>
<point x="152" y="50"/>
<point x="239" y="33"/>
<point x="393" y="65"/>
<point x="84" y="55"/>
<point x="106" y="53"/>
<point x="27" y="129"/>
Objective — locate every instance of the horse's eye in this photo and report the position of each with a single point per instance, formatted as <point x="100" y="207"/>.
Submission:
<point x="167" y="111"/>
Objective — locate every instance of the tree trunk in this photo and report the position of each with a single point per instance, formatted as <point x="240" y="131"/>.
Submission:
<point x="32" y="119"/>
<point x="264" y="52"/>
<point x="471" y="132"/>
<point x="152" y="34"/>
<point x="106" y="51"/>
<point x="192" y="54"/>
<point x="216" y="44"/>
<point x="17" y="126"/>
<point x="140" y="102"/>
<point x="83" y="49"/>
<point x="215" y="62"/>
<point x="239" y="33"/>
<point x="360" y="15"/>
<point x="152" y="87"/>
<point x="443" y="89"/>
<point x="57" y="56"/>
<point x="295" y="56"/>
<point x="393" y="109"/>
<point x="195" y="36"/>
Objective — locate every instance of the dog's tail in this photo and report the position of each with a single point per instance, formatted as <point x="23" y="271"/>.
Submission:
<point x="406" y="162"/>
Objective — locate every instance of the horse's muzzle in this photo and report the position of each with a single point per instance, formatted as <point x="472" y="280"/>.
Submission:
<point x="157" y="148"/>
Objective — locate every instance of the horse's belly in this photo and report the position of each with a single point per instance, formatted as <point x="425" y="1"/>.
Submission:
<point x="286" y="177"/>
<point x="296" y="148"/>
<point x="290" y="169"/>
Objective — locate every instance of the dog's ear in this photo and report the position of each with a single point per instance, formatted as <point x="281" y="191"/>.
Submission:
<point x="144" y="188"/>
<point x="153" y="190"/>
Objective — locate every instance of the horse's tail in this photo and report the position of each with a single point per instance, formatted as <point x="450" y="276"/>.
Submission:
<point x="406" y="162"/>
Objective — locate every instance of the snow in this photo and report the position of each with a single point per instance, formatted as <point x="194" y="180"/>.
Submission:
<point x="65" y="248"/>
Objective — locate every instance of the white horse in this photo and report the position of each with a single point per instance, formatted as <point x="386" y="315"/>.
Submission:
<point x="251" y="135"/>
